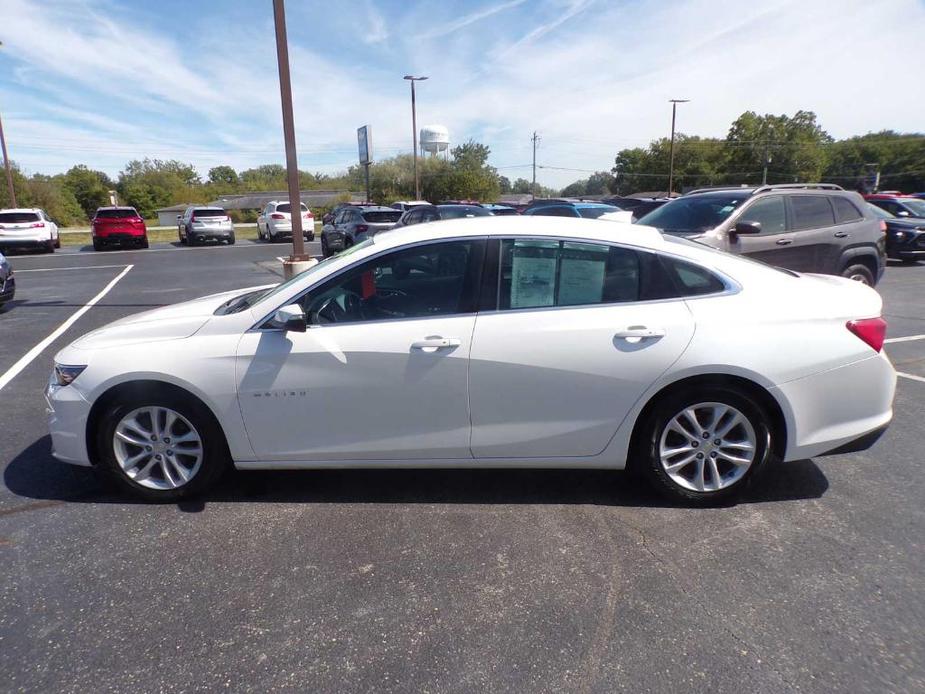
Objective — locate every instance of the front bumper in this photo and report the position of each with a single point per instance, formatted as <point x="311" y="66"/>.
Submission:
<point x="832" y="409"/>
<point x="67" y="412"/>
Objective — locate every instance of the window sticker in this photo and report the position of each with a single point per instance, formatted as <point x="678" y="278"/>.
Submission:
<point x="581" y="281"/>
<point x="533" y="281"/>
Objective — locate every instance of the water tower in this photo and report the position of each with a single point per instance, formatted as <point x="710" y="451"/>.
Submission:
<point x="435" y="139"/>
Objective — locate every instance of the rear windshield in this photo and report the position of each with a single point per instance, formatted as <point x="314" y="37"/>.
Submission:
<point x="455" y="212"/>
<point x="596" y="211"/>
<point x="381" y="217"/>
<point x="210" y="212"/>
<point x="696" y="213"/>
<point x="18" y="217"/>
<point x="121" y="213"/>
<point x="286" y="207"/>
<point x="502" y="211"/>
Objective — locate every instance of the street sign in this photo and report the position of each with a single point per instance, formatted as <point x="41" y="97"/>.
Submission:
<point x="365" y="144"/>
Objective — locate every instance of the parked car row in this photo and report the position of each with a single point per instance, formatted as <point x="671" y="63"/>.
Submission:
<point x="28" y="227"/>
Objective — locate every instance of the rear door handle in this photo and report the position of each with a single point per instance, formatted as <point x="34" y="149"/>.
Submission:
<point x="784" y="242"/>
<point x="432" y="344"/>
<point x="842" y="234"/>
<point x="639" y="332"/>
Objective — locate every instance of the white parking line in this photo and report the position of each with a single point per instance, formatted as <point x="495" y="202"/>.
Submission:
<point x="911" y="377"/>
<point x="59" y="269"/>
<point x="908" y="338"/>
<point x="27" y="358"/>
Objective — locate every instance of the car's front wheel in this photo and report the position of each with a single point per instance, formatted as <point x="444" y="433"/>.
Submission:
<point x="162" y="447"/>
<point x="703" y="445"/>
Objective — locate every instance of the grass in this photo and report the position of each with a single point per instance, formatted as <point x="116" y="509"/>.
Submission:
<point x="165" y="235"/>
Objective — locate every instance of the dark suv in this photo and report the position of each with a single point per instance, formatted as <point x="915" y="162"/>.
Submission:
<point x="352" y="224"/>
<point x="804" y="227"/>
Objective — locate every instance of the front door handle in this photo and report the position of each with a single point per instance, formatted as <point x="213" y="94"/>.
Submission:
<point x="784" y="242"/>
<point x="638" y="332"/>
<point x="842" y="234"/>
<point x="432" y="344"/>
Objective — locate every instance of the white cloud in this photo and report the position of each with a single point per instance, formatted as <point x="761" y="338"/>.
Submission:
<point x="469" y="19"/>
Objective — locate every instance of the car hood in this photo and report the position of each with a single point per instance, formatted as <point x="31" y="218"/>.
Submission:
<point x="906" y="223"/>
<point x="173" y="322"/>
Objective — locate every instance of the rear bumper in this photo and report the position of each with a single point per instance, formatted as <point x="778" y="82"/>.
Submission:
<point x="25" y="241"/>
<point x="121" y="237"/>
<point x="833" y="410"/>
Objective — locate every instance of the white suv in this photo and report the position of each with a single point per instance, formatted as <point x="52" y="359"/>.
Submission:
<point x="28" y="228"/>
<point x="275" y="222"/>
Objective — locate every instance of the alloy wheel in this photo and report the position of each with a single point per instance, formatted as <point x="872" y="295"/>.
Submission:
<point x="707" y="447"/>
<point x="157" y="448"/>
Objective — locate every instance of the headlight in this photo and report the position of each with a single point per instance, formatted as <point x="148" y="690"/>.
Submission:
<point x="900" y="235"/>
<point x="65" y="374"/>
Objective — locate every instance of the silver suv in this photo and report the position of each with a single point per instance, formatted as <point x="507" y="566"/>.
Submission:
<point x="199" y="224"/>
<point x="804" y="227"/>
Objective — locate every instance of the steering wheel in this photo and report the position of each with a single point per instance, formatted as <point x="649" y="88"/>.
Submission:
<point x="333" y="312"/>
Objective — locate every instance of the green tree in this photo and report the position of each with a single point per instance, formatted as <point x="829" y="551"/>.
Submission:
<point x="147" y="184"/>
<point x="223" y="176"/>
<point x="90" y="188"/>
<point x="899" y="157"/>
<point x="264" y="177"/>
<point x="504" y="184"/>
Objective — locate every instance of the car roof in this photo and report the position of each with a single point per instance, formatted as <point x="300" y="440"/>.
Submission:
<point x="377" y="208"/>
<point x="586" y="205"/>
<point x="889" y="196"/>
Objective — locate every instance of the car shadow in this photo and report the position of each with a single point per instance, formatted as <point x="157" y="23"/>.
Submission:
<point x="35" y="474"/>
<point x="895" y="263"/>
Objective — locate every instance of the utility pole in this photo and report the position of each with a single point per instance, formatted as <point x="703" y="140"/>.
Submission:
<point x="414" y="134"/>
<point x="533" y="187"/>
<point x="6" y="164"/>
<point x="674" y="110"/>
<point x="298" y="257"/>
<point x="767" y="160"/>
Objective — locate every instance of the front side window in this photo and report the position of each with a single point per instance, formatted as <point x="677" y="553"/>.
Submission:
<point x="769" y="213"/>
<point x="435" y="279"/>
<point x="543" y="273"/>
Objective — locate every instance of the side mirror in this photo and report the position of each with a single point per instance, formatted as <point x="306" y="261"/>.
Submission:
<point x="290" y="318"/>
<point x="179" y="217"/>
<point x="747" y="228"/>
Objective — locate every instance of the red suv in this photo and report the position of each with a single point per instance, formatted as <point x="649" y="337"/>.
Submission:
<point x="120" y="226"/>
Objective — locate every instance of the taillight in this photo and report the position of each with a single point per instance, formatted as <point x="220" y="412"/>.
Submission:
<point x="277" y="215"/>
<point x="883" y="226"/>
<point x="871" y="330"/>
<point x="36" y="225"/>
<point x="362" y="227"/>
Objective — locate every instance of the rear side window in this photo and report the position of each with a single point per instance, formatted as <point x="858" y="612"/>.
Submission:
<point x="18" y="217"/>
<point x="381" y="217"/>
<point x="690" y="279"/>
<point x="845" y="211"/>
<point x="811" y="212"/>
<point x="121" y="213"/>
<point x="538" y="273"/>
<point x="209" y="212"/>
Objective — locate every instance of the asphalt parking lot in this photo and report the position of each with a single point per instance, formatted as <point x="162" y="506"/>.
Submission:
<point x="528" y="581"/>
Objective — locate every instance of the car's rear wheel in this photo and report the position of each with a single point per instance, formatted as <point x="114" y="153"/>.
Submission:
<point x="324" y="247"/>
<point x="97" y="245"/>
<point x="231" y="240"/>
<point x="162" y="447"/>
<point x="703" y="445"/>
<point x="144" y="242"/>
<point x="859" y="273"/>
<point x="58" y="241"/>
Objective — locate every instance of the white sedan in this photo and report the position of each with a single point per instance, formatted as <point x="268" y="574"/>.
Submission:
<point x="495" y="342"/>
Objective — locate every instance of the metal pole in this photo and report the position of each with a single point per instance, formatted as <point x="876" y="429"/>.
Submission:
<point x="367" y="183"/>
<point x="414" y="137"/>
<point x="674" y="110"/>
<point x="533" y="187"/>
<point x="292" y="162"/>
<point x="9" y="171"/>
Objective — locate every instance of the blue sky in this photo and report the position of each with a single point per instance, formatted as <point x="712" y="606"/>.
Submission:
<point x="101" y="82"/>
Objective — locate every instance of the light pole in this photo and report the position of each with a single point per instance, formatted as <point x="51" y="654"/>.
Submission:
<point x="292" y="161"/>
<point x="6" y="163"/>
<point x="674" y="110"/>
<point x="414" y="135"/>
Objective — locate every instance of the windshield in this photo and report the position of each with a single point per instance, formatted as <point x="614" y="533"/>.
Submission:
<point x="696" y="213"/>
<point x="18" y="217"/>
<point x="916" y="207"/>
<point x="286" y="207"/>
<point x="239" y="303"/>
<point x="596" y="211"/>
<point x="463" y="211"/>
<point x="121" y="213"/>
<point x="381" y="217"/>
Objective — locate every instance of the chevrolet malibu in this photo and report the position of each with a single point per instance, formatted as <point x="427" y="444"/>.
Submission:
<point x="499" y="342"/>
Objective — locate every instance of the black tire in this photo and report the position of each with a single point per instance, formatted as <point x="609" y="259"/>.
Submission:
<point x="231" y="240"/>
<point x="215" y="458"/>
<point x="58" y="241"/>
<point x="97" y="245"/>
<point x="50" y="246"/>
<point x="324" y="247"/>
<point x="647" y="459"/>
<point x="859" y="273"/>
<point x="144" y="243"/>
